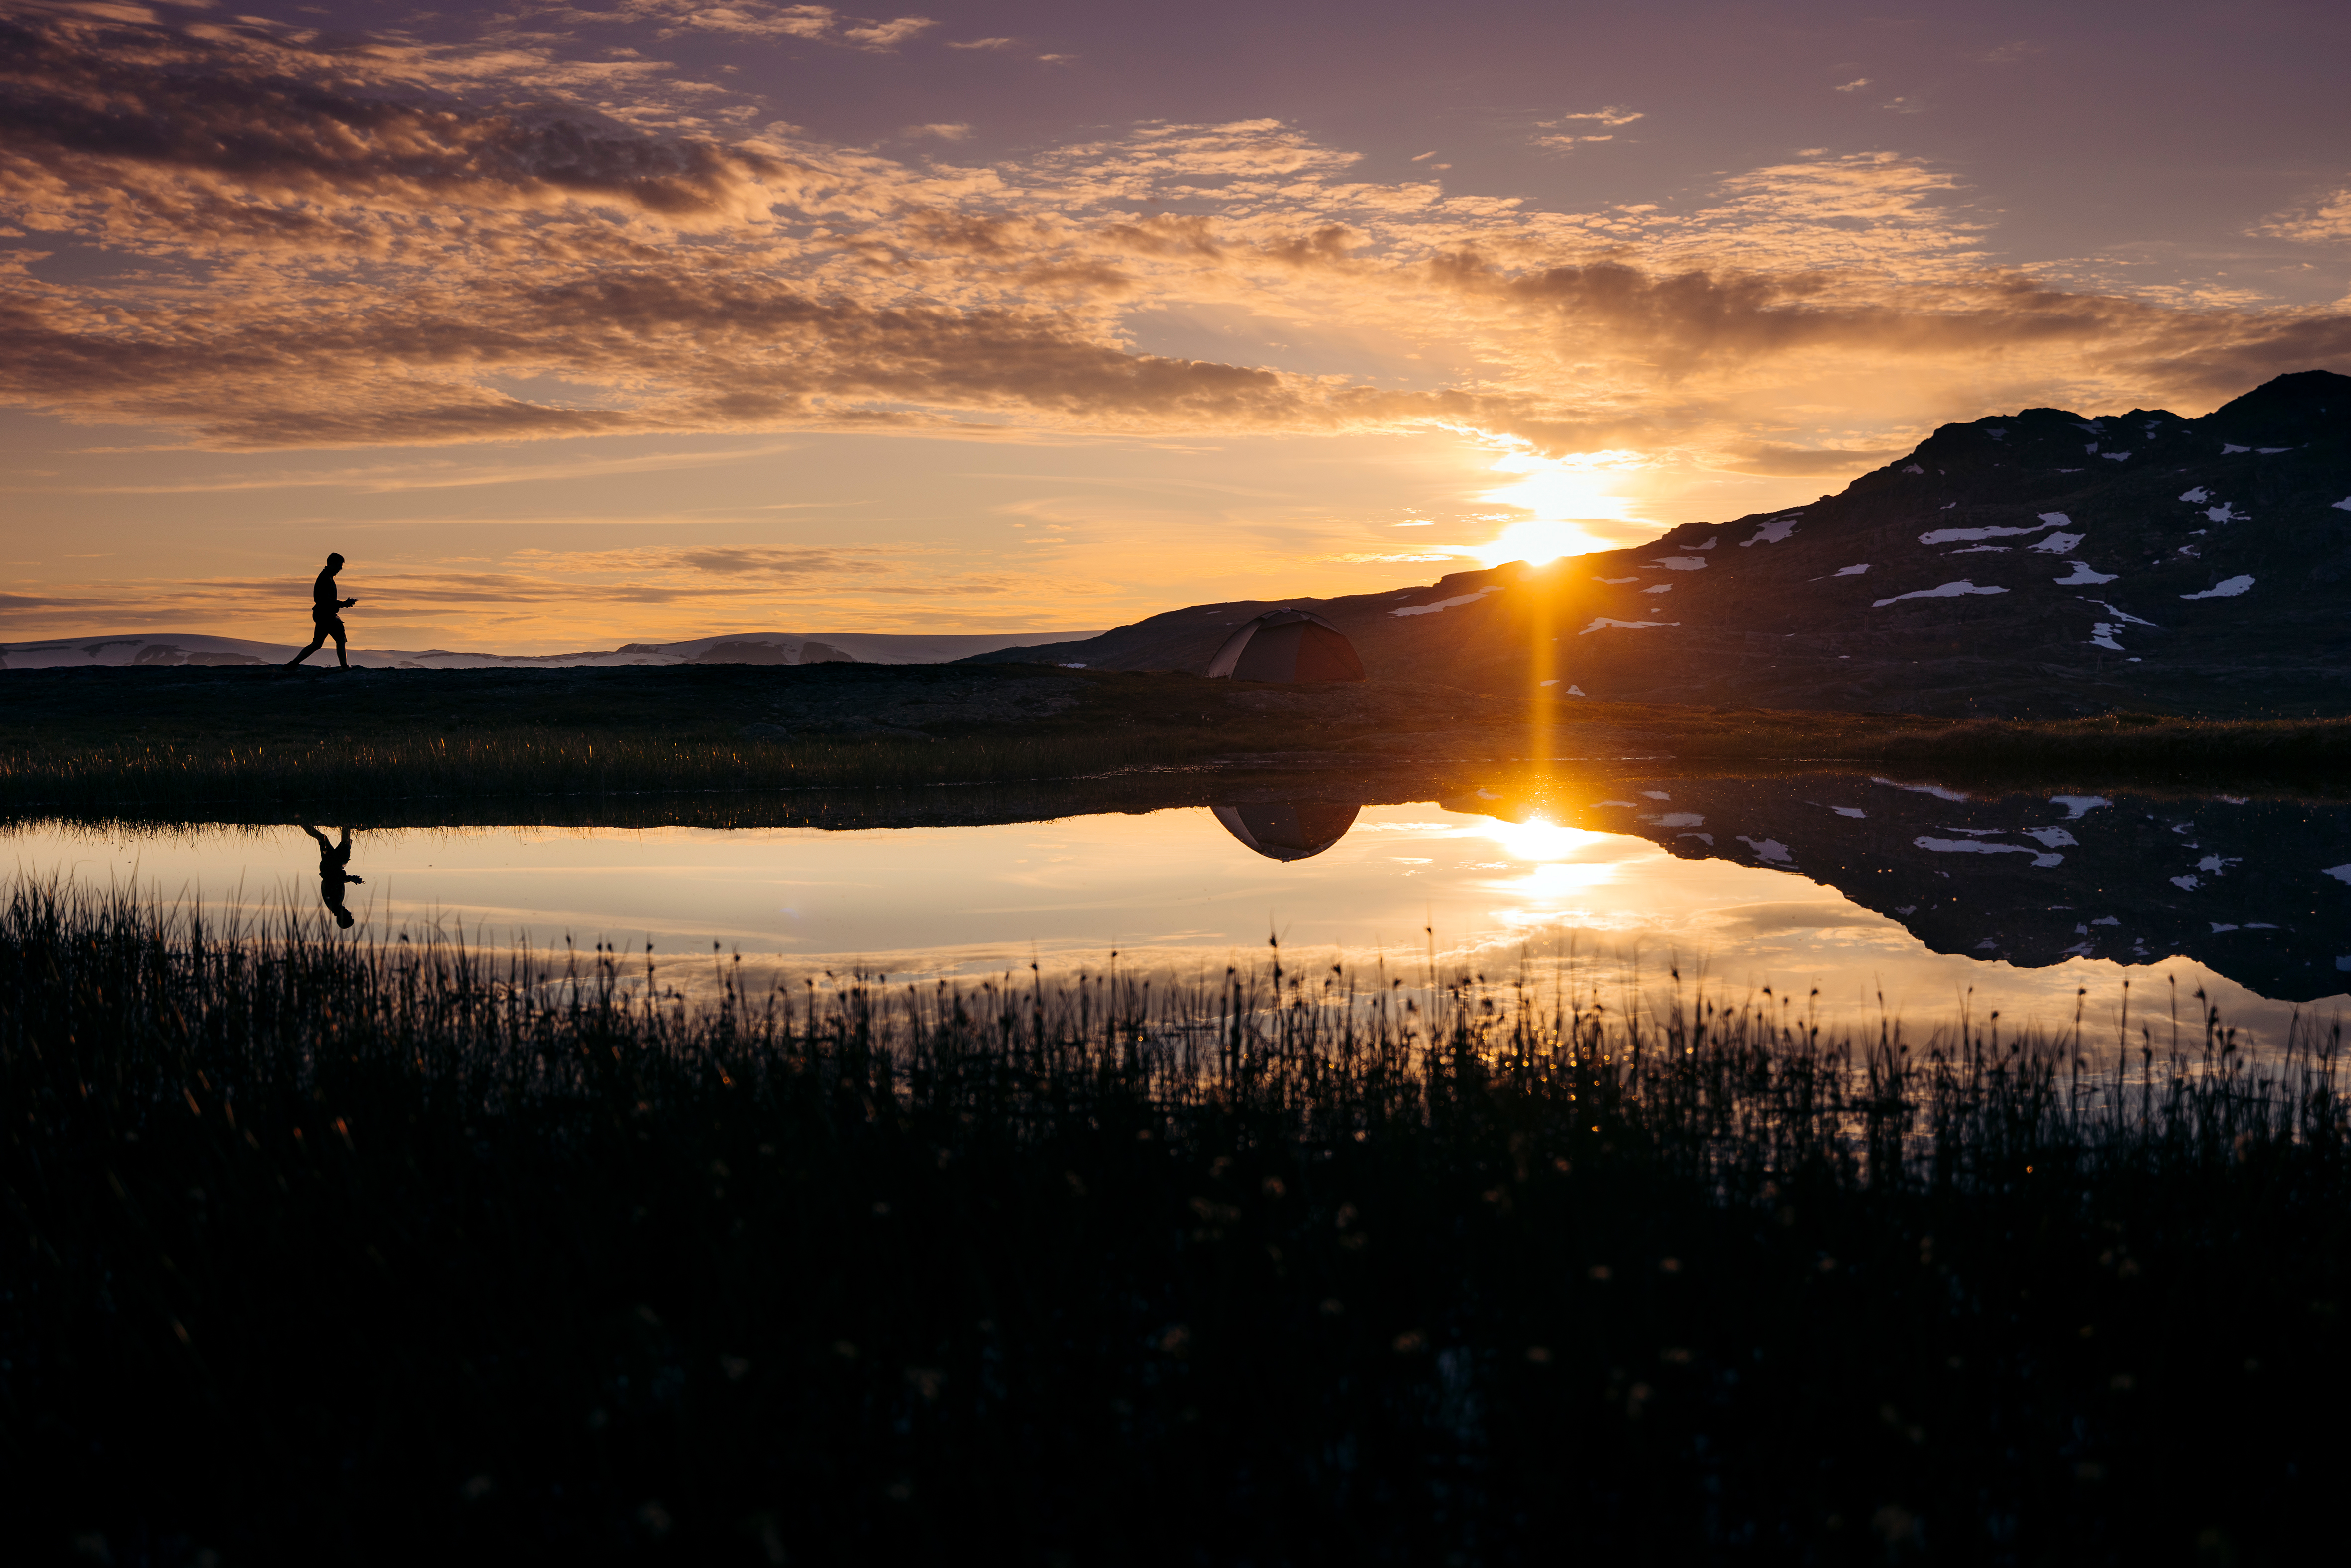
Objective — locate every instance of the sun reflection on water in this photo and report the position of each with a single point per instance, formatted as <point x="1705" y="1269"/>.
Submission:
<point x="1541" y="839"/>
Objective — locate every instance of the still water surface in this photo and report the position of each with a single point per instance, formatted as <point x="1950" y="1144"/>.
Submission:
<point x="1858" y="889"/>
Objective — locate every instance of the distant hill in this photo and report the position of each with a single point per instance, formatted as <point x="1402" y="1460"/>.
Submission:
<point x="173" y="649"/>
<point x="2035" y="564"/>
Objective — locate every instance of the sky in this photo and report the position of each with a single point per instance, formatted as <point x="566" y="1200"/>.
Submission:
<point x="578" y="324"/>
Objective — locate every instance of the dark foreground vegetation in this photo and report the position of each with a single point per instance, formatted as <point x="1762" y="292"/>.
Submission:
<point x="222" y="742"/>
<point x="319" y="1252"/>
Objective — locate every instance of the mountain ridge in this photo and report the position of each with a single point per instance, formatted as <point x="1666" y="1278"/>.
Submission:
<point x="2039" y="564"/>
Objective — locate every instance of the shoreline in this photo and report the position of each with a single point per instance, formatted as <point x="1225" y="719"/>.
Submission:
<point x="163" y="743"/>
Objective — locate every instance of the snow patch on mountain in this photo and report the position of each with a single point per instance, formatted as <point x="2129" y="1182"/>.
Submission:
<point x="1959" y="536"/>
<point x="1944" y="590"/>
<point x="1447" y="604"/>
<point x="1977" y="847"/>
<point x="2227" y="588"/>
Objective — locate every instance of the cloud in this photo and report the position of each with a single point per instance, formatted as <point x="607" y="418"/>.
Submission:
<point x="1614" y="114"/>
<point x="413" y="474"/>
<point x="751" y="18"/>
<point x="134" y="134"/>
<point x="887" y="34"/>
<point x="1856" y="85"/>
<point x="1795" y="461"/>
<point x="11" y="602"/>
<point x="369" y="243"/>
<point x="954" y="132"/>
<point x="984" y="44"/>
<point x="2328" y="218"/>
<point x="740" y="561"/>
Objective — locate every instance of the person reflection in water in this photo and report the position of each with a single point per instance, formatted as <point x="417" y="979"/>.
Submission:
<point x="334" y="875"/>
<point x="326" y="616"/>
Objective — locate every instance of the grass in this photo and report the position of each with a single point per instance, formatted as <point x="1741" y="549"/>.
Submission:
<point x="144" y="780"/>
<point x="329" y="1252"/>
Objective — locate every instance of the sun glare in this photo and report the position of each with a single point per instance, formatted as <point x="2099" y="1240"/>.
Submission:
<point x="1563" y="493"/>
<point x="1540" y="839"/>
<point x="1537" y="540"/>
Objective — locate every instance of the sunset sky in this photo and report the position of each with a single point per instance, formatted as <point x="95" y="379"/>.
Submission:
<point x="623" y="320"/>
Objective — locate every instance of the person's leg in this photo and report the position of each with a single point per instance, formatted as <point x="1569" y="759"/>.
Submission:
<point x="342" y="657"/>
<point x="317" y="640"/>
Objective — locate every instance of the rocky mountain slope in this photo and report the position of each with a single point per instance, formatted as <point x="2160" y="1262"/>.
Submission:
<point x="2036" y="564"/>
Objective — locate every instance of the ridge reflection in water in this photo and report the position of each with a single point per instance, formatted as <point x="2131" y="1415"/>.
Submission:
<point x="1461" y="886"/>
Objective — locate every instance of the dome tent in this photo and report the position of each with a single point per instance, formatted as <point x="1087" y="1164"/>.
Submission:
<point x="1287" y="645"/>
<point x="1288" y="831"/>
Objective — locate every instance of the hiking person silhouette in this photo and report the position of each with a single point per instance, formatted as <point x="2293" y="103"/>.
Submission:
<point x="333" y="873"/>
<point x="326" y="616"/>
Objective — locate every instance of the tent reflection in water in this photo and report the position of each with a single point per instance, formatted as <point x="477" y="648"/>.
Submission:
<point x="1288" y="831"/>
<point x="1287" y="645"/>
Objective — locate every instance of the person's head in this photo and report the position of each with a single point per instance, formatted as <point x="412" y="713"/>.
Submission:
<point x="334" y="562"/>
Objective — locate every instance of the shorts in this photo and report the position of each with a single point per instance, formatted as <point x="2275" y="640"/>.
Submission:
<point x="324" y="626"/>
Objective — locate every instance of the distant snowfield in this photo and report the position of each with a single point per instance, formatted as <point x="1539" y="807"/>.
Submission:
<point x="166" y="650"/>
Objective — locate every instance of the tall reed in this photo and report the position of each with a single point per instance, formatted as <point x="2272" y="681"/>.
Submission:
<point x="323" y="1247"/>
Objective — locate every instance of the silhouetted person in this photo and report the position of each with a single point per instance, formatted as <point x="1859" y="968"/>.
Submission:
<point x="326" y="617"/>
<point x="333" y="873"/>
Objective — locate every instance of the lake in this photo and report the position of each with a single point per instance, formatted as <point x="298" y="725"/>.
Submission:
<point x="1854" y="896"/>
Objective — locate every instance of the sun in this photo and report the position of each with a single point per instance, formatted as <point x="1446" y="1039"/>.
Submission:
<point x="1563" y="493"/>
<point x="1539" y="540"/>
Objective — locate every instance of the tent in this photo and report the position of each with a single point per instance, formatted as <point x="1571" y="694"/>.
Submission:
<point x="1287" y="645"/>
<point x="1288" y="833"/>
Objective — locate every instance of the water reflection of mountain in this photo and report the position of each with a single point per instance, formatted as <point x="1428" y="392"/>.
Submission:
<point x="1288" y="831"/>
<point x="2257" y="889"/>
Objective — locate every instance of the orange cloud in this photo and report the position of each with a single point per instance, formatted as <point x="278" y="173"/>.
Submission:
<point x="327" y="255"/>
